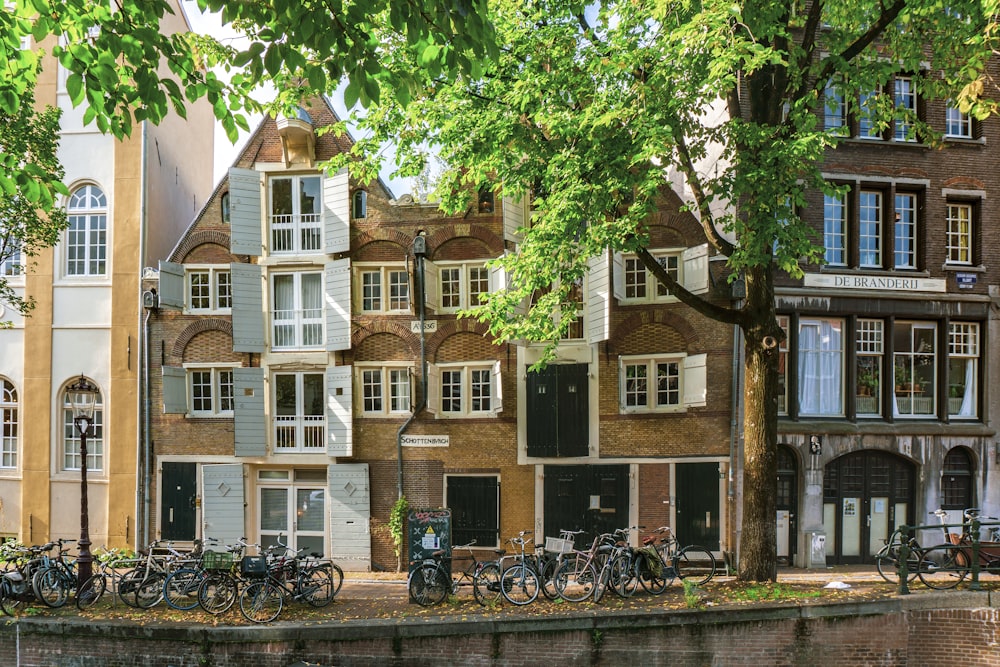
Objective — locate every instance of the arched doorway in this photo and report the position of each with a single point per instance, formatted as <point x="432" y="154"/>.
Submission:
<point x="787" y="503"/>
<point x="866" y="495"/>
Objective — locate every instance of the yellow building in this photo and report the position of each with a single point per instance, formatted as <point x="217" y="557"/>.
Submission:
<point x="129" y="202"/>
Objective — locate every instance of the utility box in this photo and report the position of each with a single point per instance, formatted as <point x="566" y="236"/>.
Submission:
<point x="815" y="551"/>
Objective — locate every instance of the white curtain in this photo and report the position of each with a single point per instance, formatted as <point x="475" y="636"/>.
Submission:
<point x="968" y="408"/>
<point x="821" y="385"/>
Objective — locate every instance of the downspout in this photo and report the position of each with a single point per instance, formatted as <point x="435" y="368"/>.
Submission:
<point x="147" y="437"/>
<point x="419" y="251"/>
<point x="141" y="463"/>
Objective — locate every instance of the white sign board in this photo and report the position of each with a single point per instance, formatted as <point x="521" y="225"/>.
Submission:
<point x="881" y="283"/>
<point x="425" y="440"/>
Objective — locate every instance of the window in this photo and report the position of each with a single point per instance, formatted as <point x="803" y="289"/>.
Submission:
<point x="868" y="127"/>
<point x="296" y="214"/>
<point x="651" y="384"/>
<point x="385" y="390"/>
<point x="475" y="509"/>
<point x="465" y="390"/>
<point x="835" y="229"/>
<point x="87" y="232"/>
<point x="906" y="109"/>
<point x="226" y="210"/>
<point x="869" y="348"/>
<point x="385" y="289"/>
<point x="963" y="369"/>
<point x="957" y="124"/>
<point x="298" y="310"/>
<point x="870" y="229"/>
<point x="834" y="109"/>
<point x="359" y="204"/>
<point x="821" y="365"/>
<point x="914" y="361"/>
<point x="641" y="285"/>
<point x="12" y="265"/>
<point x="958" y="243"/>
<point x="9" y="424"/>
<point x="783" y="367"/>
<point x="299" y="414"/>
<point x="956" y="480"/>
<point x="905" y="256"/>
<point x="211" y="391"/>
<point x="872" y="120"/>
<point x="209" y="289"/>
<point x="71" y="437"/>
<point x="461" y="285"/>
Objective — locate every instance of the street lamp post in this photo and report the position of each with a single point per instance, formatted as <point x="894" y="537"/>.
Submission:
<point x="82" y="398"/>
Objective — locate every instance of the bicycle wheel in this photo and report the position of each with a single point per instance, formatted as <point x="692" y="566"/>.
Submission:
<point x="696" y="564"/>
<point x="547" y="577"/>
<point x="519" y="584"/>
<point x="180" y="589"/>
<point x="91" y="591"/>
<point x="887" y="564"/>
<point x="261" y="602"/>
<point x="217" y="593"/>
<point x="624" y="576"/>
<point x="943" y="566"/>
<point x="428" y="585"/>
<point x="51" y="587"/>
<point x="486" y="585"/>
<point x="316" y="586"/>
<point x="10" y="601"/>
<point x="149" y="591"/>
<point x="337" y="576"/>
<point x="128" y="583"/>
<point x="575" y="579"/>
<point x="654" y="575"/>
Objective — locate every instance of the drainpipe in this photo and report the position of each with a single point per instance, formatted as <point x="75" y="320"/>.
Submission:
<point x="147" y="440"/>
<point x="141" y="463"/>
<point x="419" y="252"/>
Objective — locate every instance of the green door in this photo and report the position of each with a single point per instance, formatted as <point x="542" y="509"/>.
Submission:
<point x="697" y="508"/>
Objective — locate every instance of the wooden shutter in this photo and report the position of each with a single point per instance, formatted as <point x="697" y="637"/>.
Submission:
<point x="338" y="305"/>
<point x="432" y="286"/>
<point x="248" y="308"/>
<point x="695" y="380"/>
<point x="337" y="212"/>
<point x="250" y="423"/>
<point x="618" y="276"/>
<point x="174" y="390"/>
<point x="598" y="304"/>
<point x="696" y="269"/>
<point x="433" y="388"/>
<point x="171" y="292"/>
<point x="222" y="502"/>
<point x="245" y="188"/>
<point x="338" y="411"/>
<point x="497" y="403"/>
<point x="513" y="219"/>
<point x="350" y="515"/>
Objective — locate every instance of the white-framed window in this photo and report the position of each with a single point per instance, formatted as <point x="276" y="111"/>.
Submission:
<point x="460" y="284"/>
<point x="292" y="508"/>
<point x="9" y="423"/>
<point x="834" y="108"/>
<point x="783" y="367"/>
<point x="297" y="315"/>
<point x="821" y="367"/>
<point x="957" y="124"/>
<point x="296" y="222"/>
<point x="641" y="285"/>
<point x="12" y="266"/>
<point x="651" y="384"/>
<point x="385" y="389"/>
<point x="868" y="128"/>
<point x="914" y="363"/>
<point x="958" y="237"/>
<point x="87" y="232"/>
<point x="210" y="391"/>
<point x="71" y="437"/>
<point x="870" y="229"/>
<point x="209" y="288"/>
<point x="905" y="237"/>
<point x="906" y="108"/>
<point x="869" y="348"/>
<point x="835" y="229"/>
<point x="465" y="389"/>
<point x="299" y="412"/>
<point x="963" y="370"/>
<point x="384" y="289"/>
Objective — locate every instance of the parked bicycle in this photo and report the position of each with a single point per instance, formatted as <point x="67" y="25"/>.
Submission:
<point x="430" y="582"/>
<point x="692" y="563"/>
<point x="56" y="577"/>
<point x="887" y="559"/>
<point x="946" y="565"/>
<point x="112" y="567"/>
<point x="519" y="582"/>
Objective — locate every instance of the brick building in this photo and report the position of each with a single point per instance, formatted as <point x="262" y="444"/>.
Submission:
<point x="288" y="337"/>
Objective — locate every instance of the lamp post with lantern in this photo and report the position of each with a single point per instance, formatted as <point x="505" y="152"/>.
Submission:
<point x="83" y="397"/>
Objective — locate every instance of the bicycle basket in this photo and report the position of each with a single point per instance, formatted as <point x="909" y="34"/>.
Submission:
<point x="217" y="560"/>
<point x="253" y="566"/>
<point x="558" y="545"/>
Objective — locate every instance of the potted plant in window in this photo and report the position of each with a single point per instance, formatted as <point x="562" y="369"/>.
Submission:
<point x="905" y="381"/>
<point x="867" y="382"/>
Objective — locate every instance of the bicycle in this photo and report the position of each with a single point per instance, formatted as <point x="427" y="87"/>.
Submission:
<point x="150" y="576"/>
<point x="946" y="565"/>
<point x="313" y="560"/>
<point x="519" y="581"/>
<point x="15" y="584"/>
<point x="693" y="562"/>
<point x="547" y="560"/>
<point x="109" y="563"/>
<point x="887" y="558"/>
<point x="56" y="578"/>
<point x="430" y="582"/>
<point x="273" y="579"/>
<point x="218" y="591"/>
<point x="180" y="588"/>
<point x="576" y="577"/>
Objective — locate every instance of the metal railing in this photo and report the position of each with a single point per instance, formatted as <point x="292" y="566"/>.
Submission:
<point x="969" y="543"/>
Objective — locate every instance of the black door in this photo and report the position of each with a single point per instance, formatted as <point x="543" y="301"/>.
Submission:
<point x="698" y="504"/>
<point x="589" y="498"/>
<point x="178" y="489"/>
<point x="557" y="411"/>
<point x="787" y="502"/>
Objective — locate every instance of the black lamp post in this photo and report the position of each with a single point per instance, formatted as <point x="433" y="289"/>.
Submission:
<point x="82" y="398"/>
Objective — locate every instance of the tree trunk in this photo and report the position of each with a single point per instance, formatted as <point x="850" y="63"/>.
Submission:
<point x="758" y="542"/>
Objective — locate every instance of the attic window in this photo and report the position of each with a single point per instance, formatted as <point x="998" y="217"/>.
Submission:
<point x="359" y="204"/>
<point x="485" y="200"/>
<point x="225" y="207"/>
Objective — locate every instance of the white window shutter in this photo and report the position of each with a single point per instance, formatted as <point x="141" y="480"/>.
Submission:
<point x="171" y="284"/>
<point x="598" y="306"/>
<point x="249" y="424"/>
<point x="222" y="505"/>
<point x="338" y="411"/>
<point x="248" y="308"/>
<point x="174" y="390"/>
<point x="245" y="188"/>
<point x="432" y="286"/>
<point x="695" y="380"/>
<point x="513" y="219"/>
<point x="618" y="275"/>
<point x="433" y="388"/>
<point x="696" y="269"/>
<point x="497" y="388"/>
<point x="338" y="305"/>
<point x="337" y="212"/>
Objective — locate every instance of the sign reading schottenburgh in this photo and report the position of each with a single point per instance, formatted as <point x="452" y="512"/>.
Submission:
<point x="891" y="283"/>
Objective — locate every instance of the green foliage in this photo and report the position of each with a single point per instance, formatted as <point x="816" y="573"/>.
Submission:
<point x="772" y="592"/>
<point x="397" y="523"/>
<point x="692" y="594"/>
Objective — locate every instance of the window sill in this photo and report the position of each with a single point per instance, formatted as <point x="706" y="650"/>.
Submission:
<point x="868" y="271"/>
<point x="963" y="268"/>
<point x="965" y="141"/>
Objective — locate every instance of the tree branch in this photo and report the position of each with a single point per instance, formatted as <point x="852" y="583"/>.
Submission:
<point x="686" y="165"/>
<point x="706" y="308"/>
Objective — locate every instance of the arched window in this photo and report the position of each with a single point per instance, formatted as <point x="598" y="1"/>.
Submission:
<point x="226" y="216"/>
<point x="359" y="204"/>
<point x="87" y="234"/>
<point x="956" y="480"/>
<point x="71" y="437"/>
<point x="8" y="424"/>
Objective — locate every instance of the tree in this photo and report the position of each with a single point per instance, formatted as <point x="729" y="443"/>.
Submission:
<point x="30" y="140"/>
<point x="596" y="105"/>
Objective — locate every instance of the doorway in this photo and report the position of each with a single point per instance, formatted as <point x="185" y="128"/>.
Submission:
<point x="866" y="495"/>
<point x="593" y="499"/>
<point x="697" y="504"/>
<point x="296" y="512"/>
<point x="178" y="494"/>
<point x="787" y="503"/>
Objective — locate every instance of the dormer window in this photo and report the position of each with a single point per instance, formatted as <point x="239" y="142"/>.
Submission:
<point x="359" y="205"/>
